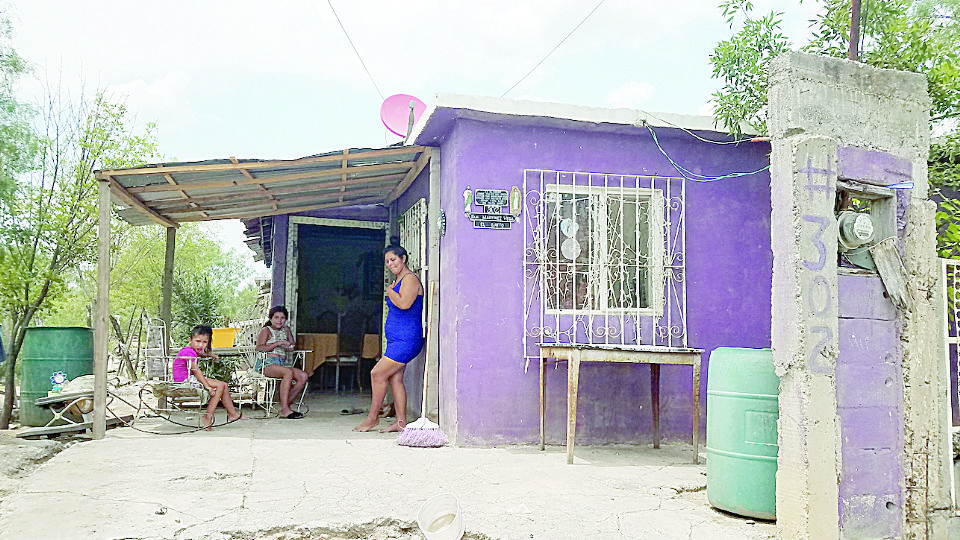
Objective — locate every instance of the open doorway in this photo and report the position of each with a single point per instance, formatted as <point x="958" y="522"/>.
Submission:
<point x="337" y="291"/>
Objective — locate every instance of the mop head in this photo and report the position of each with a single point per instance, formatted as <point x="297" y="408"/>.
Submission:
<point x="422" y="433"/>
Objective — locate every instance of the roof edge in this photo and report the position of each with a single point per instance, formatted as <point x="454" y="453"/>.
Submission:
<point x="560" y="111"/>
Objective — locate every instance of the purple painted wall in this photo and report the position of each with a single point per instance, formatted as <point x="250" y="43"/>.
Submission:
<point x="487" y="395"/>
<point x="870" y="406"/>
<point x="869" y="376"/>
<point x="278" y="268"/>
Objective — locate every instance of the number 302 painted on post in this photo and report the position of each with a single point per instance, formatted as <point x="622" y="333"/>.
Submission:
<point x="819" y="296"/>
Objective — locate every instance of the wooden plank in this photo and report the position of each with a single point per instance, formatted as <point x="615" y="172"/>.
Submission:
<point x="410" y="177"/>
<point x="101" y="334"/>
<point x="340" y="199"/>
<point x="37" y="432"/>
<point x="174" y="169"/>
<point x="573" y="387"/>
<point x="291" y="210"/>
<point x="62" y="398"/>
<point x="306" y="175"/>
<point x="865" y="191"/>
<point x="134" y="202"/>
<point x="254" y="197"/>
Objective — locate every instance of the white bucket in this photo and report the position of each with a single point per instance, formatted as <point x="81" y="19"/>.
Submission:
<point x="439" y="518"/>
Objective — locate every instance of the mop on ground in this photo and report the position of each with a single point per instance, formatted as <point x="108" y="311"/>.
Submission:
<point x="422" y="432"/>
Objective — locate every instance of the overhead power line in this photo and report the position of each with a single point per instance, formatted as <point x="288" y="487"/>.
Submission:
<point x="553" y="49"/>
<point x="354" y="48"/>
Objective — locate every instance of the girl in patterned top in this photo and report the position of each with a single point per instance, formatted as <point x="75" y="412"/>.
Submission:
<point x="274" y="340"/>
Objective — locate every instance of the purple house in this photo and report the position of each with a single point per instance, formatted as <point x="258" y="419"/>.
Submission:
<point x="544" y="227"/>
<point x="557" y="223"/>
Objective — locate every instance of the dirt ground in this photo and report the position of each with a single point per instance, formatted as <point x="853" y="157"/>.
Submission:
<point x="20" y="457"/>
<point x="336" y="484"/>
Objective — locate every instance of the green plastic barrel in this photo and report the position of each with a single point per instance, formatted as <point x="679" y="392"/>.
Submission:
<point x="742" y="413"/>
<point x="45" y="351"/>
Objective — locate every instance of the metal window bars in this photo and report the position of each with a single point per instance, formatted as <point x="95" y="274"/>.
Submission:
<point x="604" y="259"/>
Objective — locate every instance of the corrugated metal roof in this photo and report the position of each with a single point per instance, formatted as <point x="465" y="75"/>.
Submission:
<point x="172" y="193"/>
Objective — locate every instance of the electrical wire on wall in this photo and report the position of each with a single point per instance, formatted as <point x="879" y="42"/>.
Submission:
<point x="697" y="177"/>
<point x="643" y="123"/>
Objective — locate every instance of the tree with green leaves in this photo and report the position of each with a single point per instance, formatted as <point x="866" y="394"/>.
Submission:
<point x="51" y="223"/>
<point x="741" y="63"/>
<point x="212" y="285"/>
<point x="17" y="141"/>
<point x="919" y="36"/>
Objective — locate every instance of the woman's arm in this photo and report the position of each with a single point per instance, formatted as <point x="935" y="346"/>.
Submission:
<point x="409" y="291"/>
<point x="291" y="341"/>
<point x="264" y="335"/>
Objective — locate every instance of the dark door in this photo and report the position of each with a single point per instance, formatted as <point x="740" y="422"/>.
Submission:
<point x="339" y="271"/>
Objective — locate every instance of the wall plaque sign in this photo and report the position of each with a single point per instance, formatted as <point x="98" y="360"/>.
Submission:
<point x="500" y="207"/>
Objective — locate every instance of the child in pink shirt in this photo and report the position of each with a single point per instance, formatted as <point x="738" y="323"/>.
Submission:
<point x="186" y="369"/>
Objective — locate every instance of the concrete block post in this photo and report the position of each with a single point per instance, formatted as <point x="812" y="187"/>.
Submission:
<point x="861" y="397"/>
<point x="804" y="334"/>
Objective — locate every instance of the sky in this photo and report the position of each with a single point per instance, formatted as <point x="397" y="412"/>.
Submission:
<point x="280" y="79"/>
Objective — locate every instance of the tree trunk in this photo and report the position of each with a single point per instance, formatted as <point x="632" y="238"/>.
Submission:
<point x="19" y="332"/>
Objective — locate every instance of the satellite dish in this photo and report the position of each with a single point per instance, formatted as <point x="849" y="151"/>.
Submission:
<point x="395" y="112"/>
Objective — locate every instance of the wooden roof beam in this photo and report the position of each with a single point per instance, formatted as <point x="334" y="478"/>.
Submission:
<point x="135" y="203"/>
<point x="250" y="177"/>
<point x="410" y="177"/>
<point x="338" y="197"/>
<point x="383" y="183"/>
<point x="312" y="175"/>
<point x="182" y="193"/>
<point x="261" y="164"/>
<point x="214" y="207"/>
<point x="285" y="210"/>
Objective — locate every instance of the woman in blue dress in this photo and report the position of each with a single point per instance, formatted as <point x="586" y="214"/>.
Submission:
<point x="404" y="333"/>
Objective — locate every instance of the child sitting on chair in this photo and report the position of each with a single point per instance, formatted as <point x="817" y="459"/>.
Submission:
<point x="274" y="340"/>
<point x="187" y="369"/>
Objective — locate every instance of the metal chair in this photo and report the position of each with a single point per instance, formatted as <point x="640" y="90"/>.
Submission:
<point x="171" y="396"/>
<point x="262" y="388"/>
<point x="350" y="335"/>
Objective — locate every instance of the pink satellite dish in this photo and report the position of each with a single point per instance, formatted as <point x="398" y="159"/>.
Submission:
<point x="395" y="112"/>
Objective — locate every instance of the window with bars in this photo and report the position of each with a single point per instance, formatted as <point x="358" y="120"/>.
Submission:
<point x="603" y="249"/>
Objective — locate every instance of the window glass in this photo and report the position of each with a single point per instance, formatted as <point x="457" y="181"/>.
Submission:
<point x="597" y="247"/>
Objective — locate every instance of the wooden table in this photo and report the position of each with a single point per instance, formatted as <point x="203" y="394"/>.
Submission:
<point x="575" y="354"/>
<point x="321" y="345"/>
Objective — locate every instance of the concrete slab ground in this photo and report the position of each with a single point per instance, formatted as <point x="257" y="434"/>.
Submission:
<point x="315" y="478"/>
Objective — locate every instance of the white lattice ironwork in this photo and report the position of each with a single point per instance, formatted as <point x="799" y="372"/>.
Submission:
<point x="413" y="237"/>
<point x="603" y="259"/>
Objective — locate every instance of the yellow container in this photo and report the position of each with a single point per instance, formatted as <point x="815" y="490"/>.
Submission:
<point x="223" y="337"/>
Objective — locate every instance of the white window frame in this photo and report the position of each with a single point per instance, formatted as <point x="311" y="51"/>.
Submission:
<point x="656" y="239"/>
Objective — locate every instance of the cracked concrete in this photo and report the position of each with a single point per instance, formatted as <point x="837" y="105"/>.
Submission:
<point x="314" y="478"/>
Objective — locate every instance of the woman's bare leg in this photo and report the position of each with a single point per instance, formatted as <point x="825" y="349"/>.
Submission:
<point x="299" y="383"/>
<point x="399" y="401"/>
<point x="285" y="375"/>
<point x="379" y="377"/>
